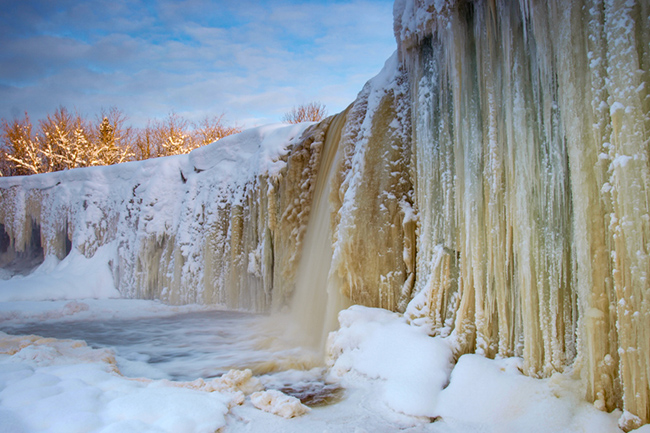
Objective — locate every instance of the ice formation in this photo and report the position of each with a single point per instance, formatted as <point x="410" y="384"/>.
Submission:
<point x="189" y="229"/>
<point x="492" y="183"/>
<point x="278" y="403"/>
<point x="531" y="143"/>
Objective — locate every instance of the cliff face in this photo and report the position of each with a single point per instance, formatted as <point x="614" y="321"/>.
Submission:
<point x="492" y="182"/>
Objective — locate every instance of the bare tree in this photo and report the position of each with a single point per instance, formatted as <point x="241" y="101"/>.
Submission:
<point x="144" y="144"/>
<point x="176" y="135"/>
<point x="162" y="138"/>
<point x="211" y="129"/>
<point x="20" y="152"/>
<point x="312" y="112"/>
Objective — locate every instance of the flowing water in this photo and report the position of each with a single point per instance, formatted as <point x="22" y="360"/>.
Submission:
<point x="184" y="346"/>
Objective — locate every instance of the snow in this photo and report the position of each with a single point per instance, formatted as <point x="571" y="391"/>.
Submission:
<point x="73" y="277"/>
<point x="381" y="345"/>
<point x="389" y="375"/>
<point x="63" y="386"/>
<point x="495" y="394"/>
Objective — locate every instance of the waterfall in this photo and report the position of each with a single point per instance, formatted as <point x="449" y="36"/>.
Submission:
<point x="317" y="298"/>
<point x="492" y="183"/>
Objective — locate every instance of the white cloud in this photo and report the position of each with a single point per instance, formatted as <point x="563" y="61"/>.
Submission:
<point x="252" y="60"/>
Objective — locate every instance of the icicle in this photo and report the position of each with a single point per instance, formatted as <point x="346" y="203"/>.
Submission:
<point x="531" y="155"/>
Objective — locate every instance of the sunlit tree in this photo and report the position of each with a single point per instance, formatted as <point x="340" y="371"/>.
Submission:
<point x="20" y="153"/>
<point x="112" y="139"/>
<point x="211" y="129"/>
<point x="65" y="140"/>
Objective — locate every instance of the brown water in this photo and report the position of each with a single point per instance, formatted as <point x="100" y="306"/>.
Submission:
<point x="187" y="346"/>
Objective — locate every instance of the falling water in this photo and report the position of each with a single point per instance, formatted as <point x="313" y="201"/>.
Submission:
<point x="317" y="299"/>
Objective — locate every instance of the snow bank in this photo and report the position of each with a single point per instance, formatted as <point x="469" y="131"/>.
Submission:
<point x="74" y="277"/>
<point x="417" y="377"/>
<point x="379" y="344"/>
<point x="64" y="386"/>
<point x="494" y="396"/>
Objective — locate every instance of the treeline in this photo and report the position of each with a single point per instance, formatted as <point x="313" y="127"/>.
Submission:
<point x="65" y="140"/>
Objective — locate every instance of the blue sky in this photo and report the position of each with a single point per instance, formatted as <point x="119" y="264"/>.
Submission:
<point x="250" y="59"/>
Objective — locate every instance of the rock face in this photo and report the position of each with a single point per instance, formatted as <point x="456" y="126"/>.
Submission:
<point x="492" y="182"/>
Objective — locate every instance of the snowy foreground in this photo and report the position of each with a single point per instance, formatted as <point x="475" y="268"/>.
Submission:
<point x="387" y="376"/>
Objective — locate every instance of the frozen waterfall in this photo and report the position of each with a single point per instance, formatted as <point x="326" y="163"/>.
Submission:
<point x="492" y="183"/>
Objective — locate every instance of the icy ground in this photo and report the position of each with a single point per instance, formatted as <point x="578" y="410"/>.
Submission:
<point x="141" y="367"/>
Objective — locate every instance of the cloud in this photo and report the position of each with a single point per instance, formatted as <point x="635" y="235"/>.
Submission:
<point x="252" y="59"/>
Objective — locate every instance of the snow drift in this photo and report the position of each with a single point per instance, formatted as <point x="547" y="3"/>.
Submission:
<point x="492" y="183"/>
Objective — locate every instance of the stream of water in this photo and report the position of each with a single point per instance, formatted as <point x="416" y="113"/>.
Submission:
<point x="183" y="346"/>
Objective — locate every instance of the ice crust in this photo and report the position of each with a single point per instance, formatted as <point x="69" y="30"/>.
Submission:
<point x="64" y="386"/>
<point x="278" y="403"/>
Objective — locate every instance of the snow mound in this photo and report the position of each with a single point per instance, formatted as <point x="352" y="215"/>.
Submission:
<point x="495" y="396"/>
<point x="75" y="277"/>
<point x="380" y="344"/>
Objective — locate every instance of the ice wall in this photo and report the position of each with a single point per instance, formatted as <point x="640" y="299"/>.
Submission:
<point x="531" y="128"/>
